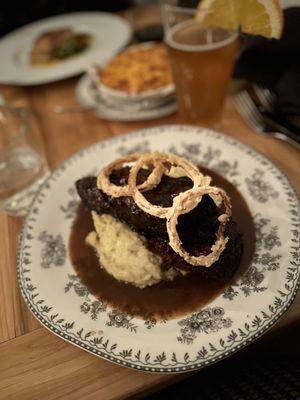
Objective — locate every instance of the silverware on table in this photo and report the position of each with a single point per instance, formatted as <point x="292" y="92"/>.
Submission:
<point x="248" y="108"/>
<point x="122" y="105"/>
<point x="265" y="97"/>
<point x="70" y="109"/>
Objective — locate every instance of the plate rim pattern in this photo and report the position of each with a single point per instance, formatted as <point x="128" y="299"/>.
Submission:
<point x="240" y="340"/>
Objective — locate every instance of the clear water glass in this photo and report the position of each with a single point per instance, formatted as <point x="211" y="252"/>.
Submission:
<point x="23" y="166"/>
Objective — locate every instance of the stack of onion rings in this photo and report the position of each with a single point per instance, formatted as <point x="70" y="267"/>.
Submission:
<point x="182" y="203"/>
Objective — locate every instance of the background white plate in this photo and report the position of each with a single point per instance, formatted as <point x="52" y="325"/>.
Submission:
<point x="109" y="34"/>
<point x="239" y="315"/>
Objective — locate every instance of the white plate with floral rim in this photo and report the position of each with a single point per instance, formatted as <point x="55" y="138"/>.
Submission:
<point x="234" y="319"/>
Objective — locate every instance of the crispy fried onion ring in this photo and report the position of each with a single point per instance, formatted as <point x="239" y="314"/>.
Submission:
<point x="190" y="169"/>
<point x="104" y="183"/>
<point x="182" y="203"/>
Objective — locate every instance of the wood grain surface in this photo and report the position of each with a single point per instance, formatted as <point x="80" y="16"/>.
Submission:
<point x="34" y="363"/>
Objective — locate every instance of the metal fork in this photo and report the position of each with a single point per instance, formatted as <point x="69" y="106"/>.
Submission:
<point x="265" y="97"/>
<point x="249" y="111"/>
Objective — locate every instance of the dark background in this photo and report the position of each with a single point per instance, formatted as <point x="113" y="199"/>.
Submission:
<point x="15" y="13"/>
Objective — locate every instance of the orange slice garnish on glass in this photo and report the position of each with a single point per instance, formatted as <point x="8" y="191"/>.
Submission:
<point x="255" y="17"/>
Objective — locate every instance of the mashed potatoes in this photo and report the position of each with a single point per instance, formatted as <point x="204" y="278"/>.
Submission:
<point x="123" y="254"/>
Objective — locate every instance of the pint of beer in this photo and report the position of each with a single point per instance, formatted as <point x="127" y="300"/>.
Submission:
<point x="202" y="59"/>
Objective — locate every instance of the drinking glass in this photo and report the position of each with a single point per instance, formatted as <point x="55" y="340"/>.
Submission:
<point x="145" y="20"/>
<point x="202" y="58"/>
<point x="22" y="164"/>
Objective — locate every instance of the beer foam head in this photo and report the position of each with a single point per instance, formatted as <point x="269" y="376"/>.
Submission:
<point x="192" y="36"/>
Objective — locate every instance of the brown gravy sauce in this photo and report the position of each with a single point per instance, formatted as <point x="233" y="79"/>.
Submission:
<point x="167" y="299"/>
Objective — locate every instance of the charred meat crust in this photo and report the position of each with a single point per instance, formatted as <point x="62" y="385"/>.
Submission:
<point x="221" y="271"/>
<point x="200" y="221"/>
<point x="196" y="229"/>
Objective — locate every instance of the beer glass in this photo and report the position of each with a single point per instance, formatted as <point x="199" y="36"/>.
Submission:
<point x="202" y="58"/>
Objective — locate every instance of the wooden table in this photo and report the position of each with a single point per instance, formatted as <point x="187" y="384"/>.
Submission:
<point x="34" y="363"/>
